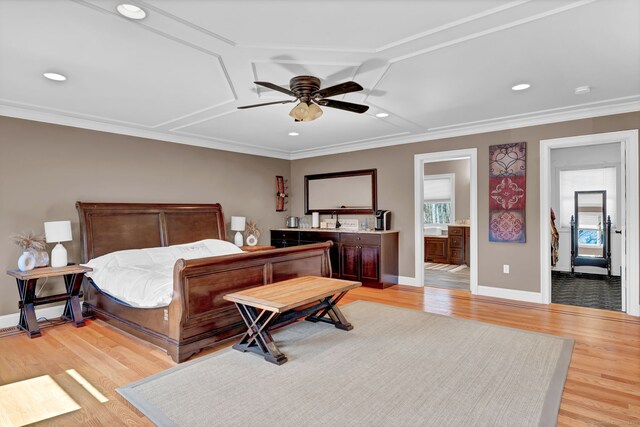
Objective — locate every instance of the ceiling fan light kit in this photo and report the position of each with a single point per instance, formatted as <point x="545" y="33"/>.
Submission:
<point x="314" y="112"/>
<point x="305" y="112"/>
<point x="306" y="90"/>
<point x="300" y="112"/>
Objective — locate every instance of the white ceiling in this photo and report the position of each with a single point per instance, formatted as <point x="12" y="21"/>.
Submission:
<point x="437" y="67"/>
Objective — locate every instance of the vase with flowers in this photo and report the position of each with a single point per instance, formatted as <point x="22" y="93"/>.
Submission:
<point x="34" y="244"/>
<point x="251" y="233"/>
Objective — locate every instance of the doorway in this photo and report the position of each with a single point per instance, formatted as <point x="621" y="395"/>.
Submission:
<point x="446" y="224"/>
<point x="586" y="200"/>
<point x="608" y="165"/>
<point x="421" y="161"/>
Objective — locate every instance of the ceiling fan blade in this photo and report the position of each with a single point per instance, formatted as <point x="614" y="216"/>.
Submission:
<point x="267" y="103"/>
<point x="339" y="89"/>
<point x="354" y="108"/>
<point x="276" y="88"/>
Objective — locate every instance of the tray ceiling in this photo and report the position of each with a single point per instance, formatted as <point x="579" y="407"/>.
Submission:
<point x="438" y="68"/>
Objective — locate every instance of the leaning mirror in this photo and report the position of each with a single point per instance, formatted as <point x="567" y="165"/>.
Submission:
<point x="353" y="192"/>
<point x="591" y="231"/>
<point x="590" y="214"/>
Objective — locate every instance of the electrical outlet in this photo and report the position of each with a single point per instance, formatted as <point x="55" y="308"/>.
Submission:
<point x="505" y="268"/>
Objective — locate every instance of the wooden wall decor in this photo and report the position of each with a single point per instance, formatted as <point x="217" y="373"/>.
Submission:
<point x="281" y="193"/>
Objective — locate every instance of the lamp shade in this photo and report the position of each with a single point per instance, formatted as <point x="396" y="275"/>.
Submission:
<point x="300" y="111"/>
<point x="57" y="231"/>
<point x="237" y="223"/>
<point x="314" y="112"/>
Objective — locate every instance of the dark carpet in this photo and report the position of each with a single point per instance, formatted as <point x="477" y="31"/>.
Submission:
<point x="586" y="290"/>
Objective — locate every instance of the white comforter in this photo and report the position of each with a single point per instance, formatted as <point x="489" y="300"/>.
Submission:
<point x="144" y="277"/>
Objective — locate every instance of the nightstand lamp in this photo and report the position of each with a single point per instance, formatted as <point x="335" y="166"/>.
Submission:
<point x="237" y="224"/>
<point x="56" y="232"/>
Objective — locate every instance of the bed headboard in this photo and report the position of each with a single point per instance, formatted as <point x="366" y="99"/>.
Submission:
<point x="109" y="227"/>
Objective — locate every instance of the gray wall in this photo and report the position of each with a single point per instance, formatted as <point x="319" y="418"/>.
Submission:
<point x="462" y="170"/>
<point x="45" y="169"/>
<point x="395" y="191"/>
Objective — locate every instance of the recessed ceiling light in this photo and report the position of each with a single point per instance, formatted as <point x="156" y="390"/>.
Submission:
<point x="55" y="76"/>
<point x="293" y="134"/>
<point x="582" y="90"/>
<point x="131" y="11"/>
<point x="382" y="115"/>
<point x="521" y="86"/>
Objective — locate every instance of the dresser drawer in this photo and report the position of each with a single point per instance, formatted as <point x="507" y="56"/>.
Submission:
<point x="319" y="236"/>
<point x="284" y="235"/>
<point x="456" y="242"/>
<point x="362" y="239"/>
<point x="456" y="256"/>
<point x="456" y="231"/>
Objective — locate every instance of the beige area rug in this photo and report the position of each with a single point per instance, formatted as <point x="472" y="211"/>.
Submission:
<point x="397" y="367"/>
<point x="451" y="268"/>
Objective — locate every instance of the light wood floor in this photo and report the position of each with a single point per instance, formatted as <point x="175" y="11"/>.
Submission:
<point x="602" y="388"/>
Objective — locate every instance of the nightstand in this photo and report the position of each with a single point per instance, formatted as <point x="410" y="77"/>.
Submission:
<point x="256" y="248"/>
<point x="27" y="280"/>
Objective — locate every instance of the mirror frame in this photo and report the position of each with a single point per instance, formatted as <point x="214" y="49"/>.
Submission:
<point x="604" y="216"/>
<point x="346" y="174"/>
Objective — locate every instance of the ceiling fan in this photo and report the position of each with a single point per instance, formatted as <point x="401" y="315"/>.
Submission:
<point x="306" y="90"/>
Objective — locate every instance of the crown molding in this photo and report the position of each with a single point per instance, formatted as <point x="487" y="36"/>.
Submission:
<point x="57" y="119"/>
<point x="583" y="111"/>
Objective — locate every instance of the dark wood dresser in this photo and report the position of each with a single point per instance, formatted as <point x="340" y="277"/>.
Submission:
<point x="367" y="257"/>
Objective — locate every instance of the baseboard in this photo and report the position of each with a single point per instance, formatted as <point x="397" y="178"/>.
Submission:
<point x="12" y="319"/>
<point x="513" y="294"/>
<point x="634" y="310"/>
<point x="409" y="281"/>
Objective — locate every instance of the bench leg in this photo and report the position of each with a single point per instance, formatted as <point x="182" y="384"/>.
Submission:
<point x="330" y="309"/>
<point x="257" y="339"/>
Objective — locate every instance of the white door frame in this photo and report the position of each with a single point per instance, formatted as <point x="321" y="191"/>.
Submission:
<point x="629" y="217"/>
<point x="418" y="183"/>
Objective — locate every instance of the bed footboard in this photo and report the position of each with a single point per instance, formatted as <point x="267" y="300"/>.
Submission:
<point x="197" y="316"/>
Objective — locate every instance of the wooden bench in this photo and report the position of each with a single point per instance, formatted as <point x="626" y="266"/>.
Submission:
<point x="268" y="306"/>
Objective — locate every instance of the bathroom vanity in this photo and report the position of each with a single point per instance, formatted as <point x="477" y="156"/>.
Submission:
<point x="453" y="248"/>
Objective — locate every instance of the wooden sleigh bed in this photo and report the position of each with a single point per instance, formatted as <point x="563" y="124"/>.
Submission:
<point x="197" y="316"/>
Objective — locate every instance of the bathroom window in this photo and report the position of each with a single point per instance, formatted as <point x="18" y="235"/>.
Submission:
<point x="439" y="197"/>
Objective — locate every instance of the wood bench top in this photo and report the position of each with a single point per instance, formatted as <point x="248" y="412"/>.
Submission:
<point x="282" y="296"/>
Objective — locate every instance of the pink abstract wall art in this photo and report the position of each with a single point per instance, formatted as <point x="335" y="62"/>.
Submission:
<point x="507" y="192"/>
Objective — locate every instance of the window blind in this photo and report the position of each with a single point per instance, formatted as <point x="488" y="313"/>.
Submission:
<point x="438" y="189"/>
<point x="587" y="180"/>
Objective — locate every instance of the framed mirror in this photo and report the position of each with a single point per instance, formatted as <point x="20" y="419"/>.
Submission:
<point x="590" y="216"/>
<point x="351" y="192"/>
<point x="591" y="231"/>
